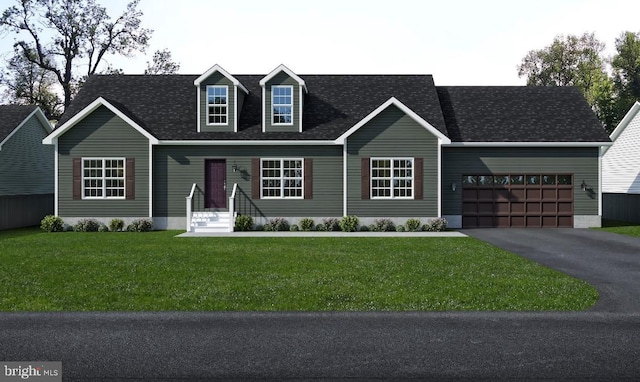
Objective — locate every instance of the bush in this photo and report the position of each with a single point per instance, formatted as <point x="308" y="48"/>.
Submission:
<point x="294" y="228"/>
<point x="364" y="228"/>
<point x="400" y="228"/>
<point x="116" y="225"/>
<point x="383" y="225"/>
<point x="436" y="225"/>
<point x="103" y="228"/>
<point x="140" y="225"/>
<point x="52" y="223"/>
<point x="413" y="225"/>
<point x="243" y="223"/>
<point x="349" y="223"/>
<point x="307" y="224"/>
<point x="87" y="225"/>
<point x="277" y="224"/>
<point x="329" y="224"/>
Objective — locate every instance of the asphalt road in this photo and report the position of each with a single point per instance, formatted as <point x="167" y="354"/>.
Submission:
<point x="340" y="346"/>
<point x="602" y="344"/>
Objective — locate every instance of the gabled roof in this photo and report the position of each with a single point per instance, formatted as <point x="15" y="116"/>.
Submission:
<point x="12" y="117"/>
<point x="288" y="71"/>
<point x="165" y="106"/>
<point x="625" y="121"/>
<point x="509" y="114"/>
<point x="218" y="68"/>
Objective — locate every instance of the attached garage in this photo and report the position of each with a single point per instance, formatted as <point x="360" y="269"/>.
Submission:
<point x="517" y="200"/>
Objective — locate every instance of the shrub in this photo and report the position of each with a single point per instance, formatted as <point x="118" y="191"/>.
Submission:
<point x="116" y="225"/>
<point x="52" y="223"/>
<point x="349" y="223"/>
<point x="364" y="228"/>
<point x="277" y="224"/>
<point x="294" y="228"/>
<point x="243" y="223"/>
<point x="87" y="225"/>
<point x="306" y="224"/>
<point x="413" y="225"/>
<point x="400" y="228"/>
<point x="330" y="224"/>
<point x="103" y="228"/>
<point x="436" y="225"/>
<point x="383" y="225"/>
<point x="140" y="225"/>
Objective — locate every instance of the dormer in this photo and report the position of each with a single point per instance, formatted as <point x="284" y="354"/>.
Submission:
<point x="220" y="99"/>
<point x="282" y="98"/>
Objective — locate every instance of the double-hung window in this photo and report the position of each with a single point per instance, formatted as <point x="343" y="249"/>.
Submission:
<point x="103" y="178"/>
<point x="282" y="178"/>
<point x="392" y="178"/>
<point x="282" y="105"/>
<point x="217" y="105"/>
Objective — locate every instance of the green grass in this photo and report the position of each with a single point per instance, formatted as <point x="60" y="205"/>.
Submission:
<point x="157" y="272"/>
<point x="620" y="227"/>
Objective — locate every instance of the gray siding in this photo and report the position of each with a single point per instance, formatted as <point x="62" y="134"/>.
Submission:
<point x="622" y="207"/>
<point x="102" y="134"/>
<point x="581" y="162"/>
<point x="217" y="79"/>
<point x="393" y="134"/>
<point x="176" y="168"/>
<point x="26" y="165"/>
<point x="24" y="210"/>
<point x="282" y="79"/>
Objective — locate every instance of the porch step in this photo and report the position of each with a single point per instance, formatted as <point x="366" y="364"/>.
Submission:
<point x="206" y="221"/>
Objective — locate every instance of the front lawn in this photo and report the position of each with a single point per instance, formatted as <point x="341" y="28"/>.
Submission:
<point x="156" y="271"/>
<point x="623" y="228"/>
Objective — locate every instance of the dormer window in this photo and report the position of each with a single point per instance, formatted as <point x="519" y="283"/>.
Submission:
<point x="282" y="101"/>
<point x="217" y="105"/>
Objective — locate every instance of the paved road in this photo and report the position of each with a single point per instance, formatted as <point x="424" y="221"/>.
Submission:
<point x="599" y="345"/>
<point x="608" y="261"/>
<point x="341" y="346"/>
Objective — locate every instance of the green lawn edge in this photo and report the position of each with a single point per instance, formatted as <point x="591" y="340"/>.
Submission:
<point x="154" y="271"/>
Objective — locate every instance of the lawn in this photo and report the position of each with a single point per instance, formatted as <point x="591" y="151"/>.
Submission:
<point x="623" y="228"/>
<point x="156" y="271"/>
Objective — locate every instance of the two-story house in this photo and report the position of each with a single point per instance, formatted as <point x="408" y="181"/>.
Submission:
<point x="187" y="150"/>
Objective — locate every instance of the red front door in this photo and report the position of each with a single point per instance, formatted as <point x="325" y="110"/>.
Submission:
<point x="215" y="178"/>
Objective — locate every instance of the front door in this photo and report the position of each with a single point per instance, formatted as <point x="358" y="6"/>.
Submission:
<point x="215" y="178"/>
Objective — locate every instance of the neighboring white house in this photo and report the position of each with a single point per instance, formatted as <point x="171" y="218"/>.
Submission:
<point x="621" y="170"/>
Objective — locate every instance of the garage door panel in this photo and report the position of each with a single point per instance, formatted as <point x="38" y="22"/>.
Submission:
<point x="518" y="201"/>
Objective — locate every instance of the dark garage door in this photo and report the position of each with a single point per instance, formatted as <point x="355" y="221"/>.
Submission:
<point x="517" y="200"/>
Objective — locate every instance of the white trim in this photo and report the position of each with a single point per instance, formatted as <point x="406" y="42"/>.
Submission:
<point x="600" y="154"/>
<point x="300" y="99"/>
<point x="226" y="105"/>
<point x="150" y="180"/>
<point x="623" y="123"/>
<point x="392" y="177"/>
<point x="236" y="117"/>
<point x="282" y="187"/>
<point x="55" y="180"/>
<point x="272" y="123"/>
<point x="41" y="117"/>
<point x="439" y="179"/>
<point x="282" y="68"/>
<point x="393" y="101"/>
<point x="87" y="111"/>
<point x="218" y="68"/>
<point x="251" y="143"/>
<point x="345" y="156"/>
<point x="264" y="110"/>
<point x="104" y="178"/>
<point x="198" y="116"/>
<point x="529" y="144"/>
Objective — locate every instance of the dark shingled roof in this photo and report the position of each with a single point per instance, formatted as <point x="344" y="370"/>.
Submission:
<point x="519" y="114"/>
<point x="11" y="116"/>
<point x="166" y="105"/>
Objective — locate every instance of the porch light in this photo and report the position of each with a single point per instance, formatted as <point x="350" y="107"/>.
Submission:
<point x="453" y="186"/>
<point x="234" y="167"/>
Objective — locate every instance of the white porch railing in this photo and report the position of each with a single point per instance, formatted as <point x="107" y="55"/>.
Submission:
<point x="232" y="207"/>
<point x="190" y="206"/>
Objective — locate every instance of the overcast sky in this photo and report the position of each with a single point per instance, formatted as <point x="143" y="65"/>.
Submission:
<point x="459" y="42"/>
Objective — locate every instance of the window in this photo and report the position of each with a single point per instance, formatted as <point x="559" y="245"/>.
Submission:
<point x="103" y="178"/>
<point x="282" y="104"/>
<point x="392" y="178"/>
<point x="282" y="178"/>
<point x="217" y="105"/>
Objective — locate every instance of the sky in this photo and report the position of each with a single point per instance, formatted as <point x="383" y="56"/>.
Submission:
<point x="459" y="42"/>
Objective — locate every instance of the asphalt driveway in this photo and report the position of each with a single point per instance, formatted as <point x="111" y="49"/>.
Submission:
<point x="610" y="262"/>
